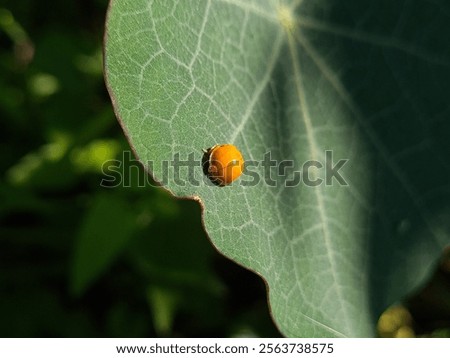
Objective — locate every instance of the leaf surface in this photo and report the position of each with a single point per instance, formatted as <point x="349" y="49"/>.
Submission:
<point x="305" y="81"/>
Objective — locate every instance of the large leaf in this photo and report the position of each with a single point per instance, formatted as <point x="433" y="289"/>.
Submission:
<point x="367" y="80"/>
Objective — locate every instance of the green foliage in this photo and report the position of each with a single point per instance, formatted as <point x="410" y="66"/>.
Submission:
<point x="80" y="259"/>
<point x="108" y="226"/>
<point x="68" y="271"/>
<point x="368" y="81"/>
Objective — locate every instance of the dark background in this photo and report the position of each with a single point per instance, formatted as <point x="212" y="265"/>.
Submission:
<point x="78" y="259"/>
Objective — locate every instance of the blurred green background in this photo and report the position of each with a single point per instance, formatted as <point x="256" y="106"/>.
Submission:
<point x="78" y="259"/>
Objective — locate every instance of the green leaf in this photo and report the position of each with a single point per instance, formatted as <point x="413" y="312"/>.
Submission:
<point x="368" y="81"/>
<point x="108" y="226"/>
<point x="163" y="304"/>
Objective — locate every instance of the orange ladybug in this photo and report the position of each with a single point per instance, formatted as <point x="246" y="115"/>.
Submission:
<point x="223" y="164"/>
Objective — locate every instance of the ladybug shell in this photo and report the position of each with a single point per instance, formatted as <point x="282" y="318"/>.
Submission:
<point x="225" y="164"/>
